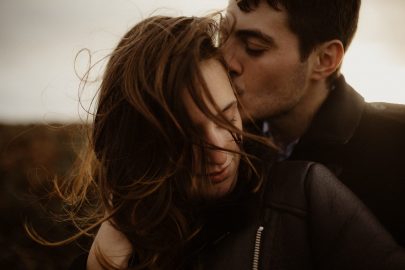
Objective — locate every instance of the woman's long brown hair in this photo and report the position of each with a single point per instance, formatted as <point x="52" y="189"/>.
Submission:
<point x="138" y="165"/>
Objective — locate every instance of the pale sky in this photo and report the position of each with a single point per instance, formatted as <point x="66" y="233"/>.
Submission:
<point x="40" y="38"/>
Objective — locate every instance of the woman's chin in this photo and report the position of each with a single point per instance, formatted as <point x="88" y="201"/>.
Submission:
<point x="221" y="190"/>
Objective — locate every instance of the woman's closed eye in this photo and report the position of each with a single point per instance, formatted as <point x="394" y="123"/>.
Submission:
<point x="233" y="120"/>
<point x="232" y="113"/>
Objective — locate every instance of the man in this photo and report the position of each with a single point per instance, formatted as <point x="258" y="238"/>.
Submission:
<point x="284" y="58"/>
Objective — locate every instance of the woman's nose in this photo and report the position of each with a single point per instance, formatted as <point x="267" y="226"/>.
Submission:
<point x="216" y="156"/>
<point x="216" y="138"/>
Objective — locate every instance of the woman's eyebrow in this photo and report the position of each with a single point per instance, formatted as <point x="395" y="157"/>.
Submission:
<point x="229" y="106"/>
<point x="199" y="123"/>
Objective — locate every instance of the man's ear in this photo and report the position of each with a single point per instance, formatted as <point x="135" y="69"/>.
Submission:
<point x="328" y="57"/>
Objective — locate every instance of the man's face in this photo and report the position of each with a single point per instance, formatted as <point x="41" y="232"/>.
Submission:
<point x="264" y="60"/>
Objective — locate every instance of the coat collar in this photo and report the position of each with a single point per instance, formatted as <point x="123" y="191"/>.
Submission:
<point x="339" y="116"/>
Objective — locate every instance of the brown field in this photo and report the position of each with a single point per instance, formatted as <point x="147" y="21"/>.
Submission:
<point x="30" y="156"/>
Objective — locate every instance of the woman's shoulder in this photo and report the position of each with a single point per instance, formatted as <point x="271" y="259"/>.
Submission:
<point x="290" y="183"/>
<point x="302" y="187"/>
<point x="342" y="229"/>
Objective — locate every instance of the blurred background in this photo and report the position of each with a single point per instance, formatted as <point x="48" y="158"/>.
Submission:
<point x="40" y="113"/>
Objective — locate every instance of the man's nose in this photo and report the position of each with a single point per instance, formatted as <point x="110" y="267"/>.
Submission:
<point x="231" y="56"/>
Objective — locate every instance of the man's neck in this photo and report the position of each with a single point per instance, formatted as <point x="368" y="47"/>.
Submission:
<point x="289" y="127"/>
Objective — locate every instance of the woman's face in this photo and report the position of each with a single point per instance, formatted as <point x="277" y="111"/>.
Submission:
<point x="222" y="166"/>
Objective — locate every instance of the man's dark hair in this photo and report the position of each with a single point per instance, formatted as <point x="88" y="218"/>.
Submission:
<point x="316" y="21"/>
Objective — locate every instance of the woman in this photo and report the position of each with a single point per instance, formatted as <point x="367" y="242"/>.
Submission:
<point x="183" y="185"/>
<point x="167" y="140"/>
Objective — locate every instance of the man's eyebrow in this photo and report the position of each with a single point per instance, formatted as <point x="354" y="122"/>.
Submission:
<point x="253" y="33"/>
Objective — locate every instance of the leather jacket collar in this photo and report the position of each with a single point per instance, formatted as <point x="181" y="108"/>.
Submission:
<point x="338" y="117"/>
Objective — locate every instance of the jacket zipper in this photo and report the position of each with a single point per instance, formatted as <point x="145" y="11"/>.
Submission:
<point x="256" y="253"/>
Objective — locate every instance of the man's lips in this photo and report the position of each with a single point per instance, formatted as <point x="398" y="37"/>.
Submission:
<point x="239" y="90"/>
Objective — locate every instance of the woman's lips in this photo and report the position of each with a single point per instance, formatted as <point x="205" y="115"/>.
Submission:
<point x="219" y="176"/>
